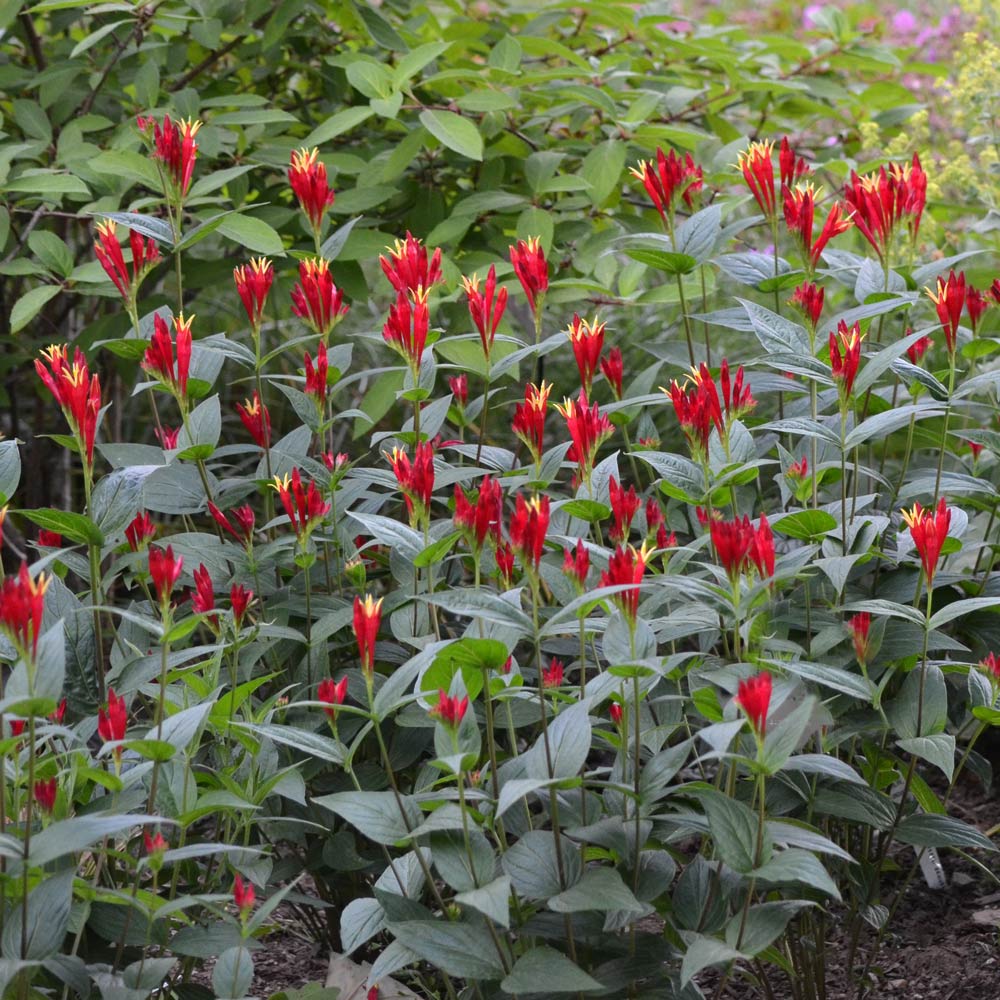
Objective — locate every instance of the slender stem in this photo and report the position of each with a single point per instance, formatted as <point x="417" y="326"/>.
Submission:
<point x="484" y="416"/>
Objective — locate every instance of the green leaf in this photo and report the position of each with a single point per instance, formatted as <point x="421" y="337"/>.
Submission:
<point x="150" y="226"/>
<point x="827" y="676"/>
<point x="786" y="736"/>
<point x="47" y="920"/>
<point x="460" y="949"/>
<point x="52" y="252"/>
<point x="29" y="305"/>
<point x="703" y="952"/>
<point x="733" y="826"/>
<point x="805" y="524"/>
<point x="455" y="132"/>
<point x="941" y="831"/>
<point x="360" y="921"/>
<point x="10" y="469"/>
<point x="567" y="746"/>
<point x="232" y="974"/>
<point x="343" y="121"/>
<point x="200" y="436"/>
<point x="959" y="608"/>
<point x="381" y="31"/>
<point x="796" y="865"/>
<point x="602" y="168"/>
<point x="68" y="836"/>
<point x="254" y="234"/>
<point x="43" y="183"/>
<point x="546" y="971"/>
<point x="491" y="900"/>
<point x="776" y="334"/>
<point x="374" y="814"/>
<point x="938" y="749"/>
<point x="75" y="527"/>
<point x="335" y="242"/>
<point x="533" y="866"/>
<point x="904" y="709"/>
<point x="314" y="744"/>
<point x="762" y="924"/>
<point x="663" y="260"/>
<point x="600" y="889"/>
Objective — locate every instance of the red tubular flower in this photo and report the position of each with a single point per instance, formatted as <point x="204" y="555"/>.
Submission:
<point x="459" y="385"/>
<point x="949" y="300"/>
<point x="974" y="446"/>
<point x="450" y="709"/>
<point x="167" y="436"/>
<point x="159" y="359"/>
<point x="243" y="896"/>
<point x="486" y="307"/>
<point x="882" y="200"/>
<point x="928" y="529"/>
<point x="737" y="399"/>
<point x="253" y="283"/>
<point x="757" y="166"/>
<point x="77" y="392"/>
<point x="244" y="517"/>
<point x="307" y="177"/>
<point x="529" y="417"/>
<point x="316" y="377"/>
<point x="918" y="348"/>
<point x="576" y="564"/>
<point x="239" y="599"/>
<point x="316" y="299"/>
<point x="762" y="548"/>
<point x="405" y="329"/>
<point x="113" y="723"/>
<point x="532" y="270"/>
<point x="809" y="298"/>
<point x="614" y="370"/>
<point x="696" y="405"/>
<point x="554" y="674"/>
<point x="367" y="618"/>
<point x="845" y="356"/>
<point x="859" y="626"/>
<point x="799" y="470"/>
<point x="303" y="505"/>
<point x="976" y="303"/>
<point x="991" y="664"/>
<point x="626" y="567"/>
<point x="139" y="531"/>
<point x="528" y="528"/>
<point x="165" y="571"/>
<point x="754" y="697"/>
<point x="44" y="793"/>
<point x="624" y="507"/>
<point x="408" y="268"/>
<point x="175" y="148"/>
<point x="154" y="845"/>
<point x="670" y="178"/>
<point x="204" y="592"/>
<point x="481" y="520"/>
<point x="505" y="562"/>
<point x="733" y="541"/>
<point x="416" y="478"/>
<point x="790" y="166"/>
<point x="800" y="206"/>
<point x="256" y="420"/>
<point x="994" y="291"/>
<point x="587" y="338"/>
<point x="107" y="249"/>
<point x="50" y="539"/>
<point x="22" y="605"/>
<point x="58" y="713"/>
<point x="332" y="693"/>
<point x="588" y="430"/>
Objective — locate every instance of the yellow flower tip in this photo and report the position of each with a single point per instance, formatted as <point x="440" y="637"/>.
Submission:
<point x="260" y="265"/>
<point x="106" y="227"/>
<point x="281" y="485"/>
<point x="55" y="353"/>
<point x="370" y="606"/>
<point x="471" y="285"/>
<point x="914" y="516"/>
<point x="182" y="322"/>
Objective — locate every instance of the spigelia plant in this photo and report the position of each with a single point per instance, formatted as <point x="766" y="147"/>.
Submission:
<point x="636" y="694"/>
